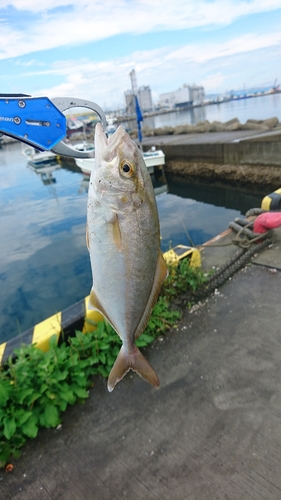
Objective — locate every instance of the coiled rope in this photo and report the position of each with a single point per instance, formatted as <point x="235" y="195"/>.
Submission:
<point x="250" y="243"/>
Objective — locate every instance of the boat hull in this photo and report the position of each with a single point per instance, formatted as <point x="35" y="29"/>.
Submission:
<point x="152" y="159"/>
<point x="38" y="158"/>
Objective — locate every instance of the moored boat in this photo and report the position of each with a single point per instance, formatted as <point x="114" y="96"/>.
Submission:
<point x="153" y="158"/>
<point x="74" y="126"/>
<point x="37" y="157"/>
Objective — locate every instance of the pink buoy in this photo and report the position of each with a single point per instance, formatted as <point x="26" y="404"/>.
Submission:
<point x="266" y="221"/>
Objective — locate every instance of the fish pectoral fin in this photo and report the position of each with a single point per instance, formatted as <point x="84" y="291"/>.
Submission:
<point x="160" y="276"/>
<point x="134" y="361"/>
<point x="117" y="238"/>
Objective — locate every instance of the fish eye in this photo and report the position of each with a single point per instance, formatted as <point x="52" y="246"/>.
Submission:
<point x="127" y="169"/>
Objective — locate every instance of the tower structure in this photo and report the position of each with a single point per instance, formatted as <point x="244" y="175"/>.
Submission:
<point x="133" y="77"/>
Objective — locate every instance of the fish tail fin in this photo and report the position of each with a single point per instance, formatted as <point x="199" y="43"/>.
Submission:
<point x="134" y="361"/>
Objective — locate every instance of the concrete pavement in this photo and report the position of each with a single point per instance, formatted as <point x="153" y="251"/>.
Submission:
<point x="212" y="430"/>
<point x="213" y="137"/>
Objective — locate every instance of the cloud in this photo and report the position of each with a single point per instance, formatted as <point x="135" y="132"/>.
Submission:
<point x="56" y="24"/>
<point x="213" y="82"/>
<point x="29" y="29"/>
<point x="241" y="44"/>
<point x="42" y="6"/>
<point x="163" y="69"/>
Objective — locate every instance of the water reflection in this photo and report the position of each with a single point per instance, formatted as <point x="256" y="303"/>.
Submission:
<point x="259" y="108"/>
<point x="194" y="212"/>
<point x="45" y="171"/>
<point x="44" y="262"/>
<point x="188" y="116"/>
<point x="234" y="198"/>
<point x="46" y="174"/>
<point x="84" y="185"/>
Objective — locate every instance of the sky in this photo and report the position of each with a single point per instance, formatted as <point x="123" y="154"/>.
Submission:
<point x="87" y="48"/>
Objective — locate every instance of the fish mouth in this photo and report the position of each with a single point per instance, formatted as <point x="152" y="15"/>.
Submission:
<point x="102" y="142"/>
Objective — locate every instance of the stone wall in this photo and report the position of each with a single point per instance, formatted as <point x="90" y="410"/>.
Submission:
<point x="235" y="153"/>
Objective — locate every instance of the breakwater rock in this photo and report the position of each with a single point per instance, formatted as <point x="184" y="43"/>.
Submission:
<point x="215" y="126"/>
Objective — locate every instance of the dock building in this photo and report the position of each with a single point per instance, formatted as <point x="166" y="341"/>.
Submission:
<point x="187" y="95"/>
<point x="144" y="98"/>
<point x="130" y="103"/>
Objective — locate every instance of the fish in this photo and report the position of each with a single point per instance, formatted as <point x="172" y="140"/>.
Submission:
<point x="123" y="239"/>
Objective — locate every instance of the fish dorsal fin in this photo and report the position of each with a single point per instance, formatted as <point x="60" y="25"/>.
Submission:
<point x="95" y="304"/>
<point x="160" y="276"/>
<point x="117" y="238"/>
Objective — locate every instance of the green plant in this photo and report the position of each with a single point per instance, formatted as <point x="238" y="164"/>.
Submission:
<point x="36" y="387"/>
<point x="181" y="279"/>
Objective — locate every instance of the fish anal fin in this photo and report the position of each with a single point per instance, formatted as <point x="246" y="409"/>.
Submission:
<point x="162" y="270"/>
<point x="133" y="361"/>
<point x="160" y="276"/>
<point x="95" y="304"/>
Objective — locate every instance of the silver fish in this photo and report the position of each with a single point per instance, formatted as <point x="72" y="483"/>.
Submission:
<point x="123" y="239"/>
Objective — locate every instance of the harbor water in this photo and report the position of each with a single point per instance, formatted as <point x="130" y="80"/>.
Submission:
<point x="44" y="262"/>
<point x="257" y="108"/>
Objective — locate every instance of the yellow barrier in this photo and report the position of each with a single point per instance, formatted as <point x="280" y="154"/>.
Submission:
<point x="272" y="201"/>
<point x="174" y="255"/>
<point x="79" y="314"/>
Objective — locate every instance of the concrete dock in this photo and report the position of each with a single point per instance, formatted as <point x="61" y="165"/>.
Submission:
<point x="212" y="430"/>
<point x="241" y="157"/>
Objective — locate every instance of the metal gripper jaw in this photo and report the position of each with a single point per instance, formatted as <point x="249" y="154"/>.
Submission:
<point x="40" y="122"/>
